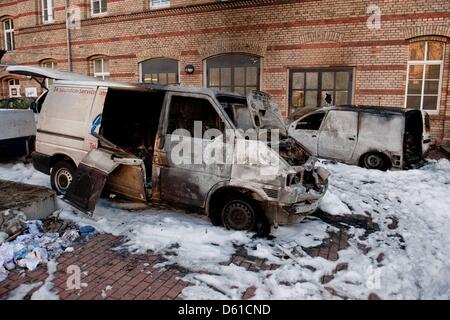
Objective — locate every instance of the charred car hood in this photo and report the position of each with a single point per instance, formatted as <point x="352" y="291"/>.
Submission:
<point x="265" y="114"/>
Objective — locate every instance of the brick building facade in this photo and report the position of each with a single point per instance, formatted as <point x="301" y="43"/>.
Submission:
<point x="295" y="50"/>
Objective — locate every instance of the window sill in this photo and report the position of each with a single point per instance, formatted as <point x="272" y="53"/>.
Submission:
<point x="102" y="14"/>
<point x="159" y="7"/>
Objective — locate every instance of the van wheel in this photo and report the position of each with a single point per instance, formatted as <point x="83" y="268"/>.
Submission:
<point x="62" y="176"/>
<point x="242" y="213"/>
<point x="374" y="160"/>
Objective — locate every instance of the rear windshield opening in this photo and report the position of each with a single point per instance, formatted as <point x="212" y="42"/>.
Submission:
<point x="413" y="136"/>
<point x="130" y="120"/>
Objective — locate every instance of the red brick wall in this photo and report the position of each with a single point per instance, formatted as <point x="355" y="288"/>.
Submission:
<point x="286" y="34"/>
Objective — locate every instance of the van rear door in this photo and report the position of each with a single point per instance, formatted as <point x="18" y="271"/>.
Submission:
<point x="94" y="171"/>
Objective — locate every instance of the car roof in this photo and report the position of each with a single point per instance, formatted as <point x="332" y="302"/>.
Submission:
<point x="357" y="108"/>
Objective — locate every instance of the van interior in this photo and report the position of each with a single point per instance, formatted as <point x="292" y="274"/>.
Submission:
<point x="130" y="120"/>
<point x="412" y="141"/>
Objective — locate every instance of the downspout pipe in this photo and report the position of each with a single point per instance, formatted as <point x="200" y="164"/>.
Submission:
<point x="68" y="36"/>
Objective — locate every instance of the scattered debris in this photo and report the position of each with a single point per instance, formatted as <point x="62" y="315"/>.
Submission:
<point x="108" y="287"/>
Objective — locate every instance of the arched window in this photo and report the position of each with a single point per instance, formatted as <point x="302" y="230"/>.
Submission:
<point x="159" y="71"/>
<point x="425" y="68"/>
<point x="233" y="72"/>
<point x="8" y="34"/>
<point x="100" y="68"/>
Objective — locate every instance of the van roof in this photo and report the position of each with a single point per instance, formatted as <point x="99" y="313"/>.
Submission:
<point x="70" y="78"/>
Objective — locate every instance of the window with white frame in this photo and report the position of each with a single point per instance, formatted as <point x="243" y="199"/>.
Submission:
<point x="425" y="65"/>
<point x="159" y="3"/>
<point x="47" y="11"/>
<point x="8" y="34"/>
<point x="98" y="6"/>
<point x="100" y="68"/>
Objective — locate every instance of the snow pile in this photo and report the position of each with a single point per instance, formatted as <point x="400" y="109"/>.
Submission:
<point x="25" y="173"/>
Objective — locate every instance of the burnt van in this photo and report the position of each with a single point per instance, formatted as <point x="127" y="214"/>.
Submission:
<point x="99" y="136"/>
<point x="372" y="137"/>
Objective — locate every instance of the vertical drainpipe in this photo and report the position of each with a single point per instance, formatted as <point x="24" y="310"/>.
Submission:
<point x="69" y="46"/>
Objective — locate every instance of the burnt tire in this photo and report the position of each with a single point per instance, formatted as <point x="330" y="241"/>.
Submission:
<point x="61" y="176"/>
<point x="375" y="160"/>
<point x="243" y="214"/>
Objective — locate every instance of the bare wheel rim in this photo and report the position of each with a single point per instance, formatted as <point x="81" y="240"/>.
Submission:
<point x="373" y="161"/>
<point x="63" y="178"/>
<point x="238" y="215"/>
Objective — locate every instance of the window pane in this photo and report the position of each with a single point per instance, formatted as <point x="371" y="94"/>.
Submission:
<point x="171" y="78"/>
<point x="328" y="80"/>
<point x="312" y="80"/>
<point x="342" y="80"/>
<point x="430" y="103"/>
<point x="433" y="72"/>
<point x="417" y="51"/>
<point x="105" y="65"/>
<point x="7" y="24"/>
<point x="298" y="80"/>
<point x="341" y="98"/>
<point x="415" y="72"/>
<point x="431" y="87"/>
<point x="413" y="102"/>
<point x="415" y="87"/>
<point x="162" y="78"/>
<point x="311" y="99"/>
<point x="239" y="76"/>
<point x="103" y="5"/>
<point x="96" y="7"/>
<point x="97" y="65"/>
<point x="214" y="77"/>
<point x="252" y="76"/>
<point x="240" y="90"/>
<point x="435" y="50"/>
<point x="298" y="99"/>
<point x="225" y="76"/>
<point x="9" y="42"/>
<point x="323" y="102"/>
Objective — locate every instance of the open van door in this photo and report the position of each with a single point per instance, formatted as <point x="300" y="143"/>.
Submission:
<point x="97" y="169"/>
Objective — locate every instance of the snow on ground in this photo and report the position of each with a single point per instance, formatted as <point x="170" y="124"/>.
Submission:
<point x="416" y="253"/>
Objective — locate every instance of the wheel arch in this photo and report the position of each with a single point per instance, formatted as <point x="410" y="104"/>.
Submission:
<point x="224" y="189"/>
<point x="57" y="157"/>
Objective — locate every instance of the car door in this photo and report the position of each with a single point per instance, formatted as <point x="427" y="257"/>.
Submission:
<point x="306" y="130"/>
<point x="338" y="135"/>
<point x="191" y="142"/>
<point x="93" y="172"/>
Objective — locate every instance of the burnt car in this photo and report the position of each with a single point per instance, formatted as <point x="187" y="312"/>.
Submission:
<point x="98" y="136"/>
<point x="372" y="137"/>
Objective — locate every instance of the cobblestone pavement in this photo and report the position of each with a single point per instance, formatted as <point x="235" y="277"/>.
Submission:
<point x="108" y="273"/>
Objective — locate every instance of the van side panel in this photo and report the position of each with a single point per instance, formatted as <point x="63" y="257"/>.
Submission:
<point x="379" y="132"/>
<point x="64" y="122"/>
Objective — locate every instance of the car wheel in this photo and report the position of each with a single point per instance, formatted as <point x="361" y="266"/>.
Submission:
<point x="238" y="214"/>
<point x="374" y="160"/>
<point x="61" y="176"/>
